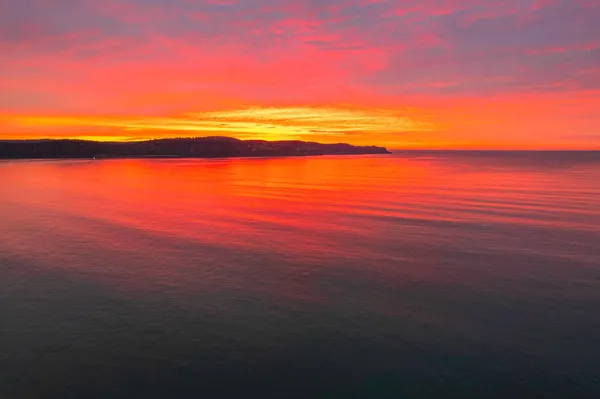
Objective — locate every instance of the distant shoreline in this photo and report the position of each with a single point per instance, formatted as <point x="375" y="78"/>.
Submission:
<point x="205" y="147"/>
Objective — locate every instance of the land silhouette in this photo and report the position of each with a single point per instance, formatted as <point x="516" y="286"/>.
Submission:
<point x="202" y="147"/>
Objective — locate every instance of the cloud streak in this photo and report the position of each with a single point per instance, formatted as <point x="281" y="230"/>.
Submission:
<point x="255" y="123"/>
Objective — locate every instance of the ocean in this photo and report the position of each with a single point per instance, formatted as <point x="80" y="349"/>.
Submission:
<point x="412" y="275"/>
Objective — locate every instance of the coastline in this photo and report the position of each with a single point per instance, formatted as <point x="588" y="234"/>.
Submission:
<point x="204" y="147"/>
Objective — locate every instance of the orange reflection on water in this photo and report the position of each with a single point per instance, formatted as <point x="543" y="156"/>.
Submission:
<point x="193" y="222"/>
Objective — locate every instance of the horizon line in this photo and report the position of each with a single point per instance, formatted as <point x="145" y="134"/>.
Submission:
<point x="396" y="149"/>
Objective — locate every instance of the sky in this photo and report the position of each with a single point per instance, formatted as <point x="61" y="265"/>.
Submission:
<point x="401" y="73"/>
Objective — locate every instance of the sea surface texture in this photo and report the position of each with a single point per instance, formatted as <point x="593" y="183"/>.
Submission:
<point x="413" y="275"/>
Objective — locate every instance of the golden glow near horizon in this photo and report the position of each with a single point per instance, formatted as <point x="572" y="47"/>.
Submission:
<point x="269" y="123"/>
<point x="508" y="124"/>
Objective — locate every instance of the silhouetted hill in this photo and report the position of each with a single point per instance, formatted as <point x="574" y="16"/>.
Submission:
<point x="204" y="147"/>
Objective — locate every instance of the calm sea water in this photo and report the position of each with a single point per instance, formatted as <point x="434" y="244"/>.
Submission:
<point x="430" y="275"/>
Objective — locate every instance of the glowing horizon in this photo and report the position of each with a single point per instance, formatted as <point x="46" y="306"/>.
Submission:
<point x="396" y="73"/>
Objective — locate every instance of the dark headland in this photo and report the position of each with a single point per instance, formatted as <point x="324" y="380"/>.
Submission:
<point x="204" y="147"/>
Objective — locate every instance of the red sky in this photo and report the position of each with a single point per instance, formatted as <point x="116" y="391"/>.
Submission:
<point x="403" y="73"/>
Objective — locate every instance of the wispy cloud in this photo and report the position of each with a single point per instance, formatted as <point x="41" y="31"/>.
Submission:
<point x="256" y="122"/>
